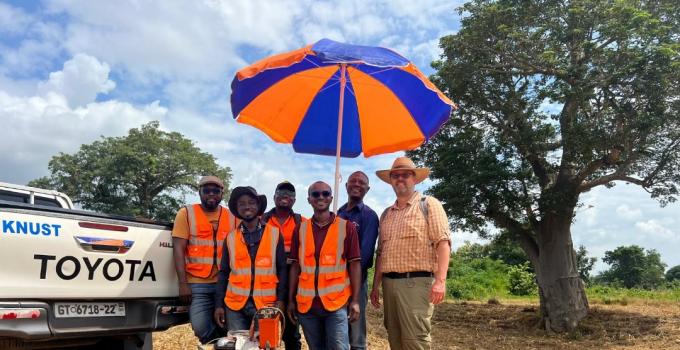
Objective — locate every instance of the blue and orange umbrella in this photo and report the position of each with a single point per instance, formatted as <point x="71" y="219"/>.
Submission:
<point x="332" y="98"/>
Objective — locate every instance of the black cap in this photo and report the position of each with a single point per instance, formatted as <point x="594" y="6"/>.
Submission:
<point x="285" y="185"/>
<point x="237" y="192"/>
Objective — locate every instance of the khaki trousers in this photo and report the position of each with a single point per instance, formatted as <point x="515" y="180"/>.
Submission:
<point x="408" y="312"/>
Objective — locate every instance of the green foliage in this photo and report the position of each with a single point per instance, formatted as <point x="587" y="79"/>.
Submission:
<point x="618" y="295"/>
<point x="584" y="263"/>
<point x="504" y="248"/>
<point x="633" y="267"/>
<point x="522" y="280"/>
<point x="673" y="274"/>
<point x="144" y="174"/>
<point x="476" y="278"/>
<point x="501" y="247"/>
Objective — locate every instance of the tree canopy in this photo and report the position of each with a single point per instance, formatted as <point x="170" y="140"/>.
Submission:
<point x="144" y="174"/>
<point x="673" y="274"/>
<point x="633" y="267"/>
<point x="556" y="98"/>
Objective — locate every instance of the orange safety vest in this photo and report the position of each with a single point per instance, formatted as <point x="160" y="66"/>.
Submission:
<point x="332" y="286"/>
<point x="204" y="248"/>
<point x="241" y="278"/>
<point x="287" y="228"/>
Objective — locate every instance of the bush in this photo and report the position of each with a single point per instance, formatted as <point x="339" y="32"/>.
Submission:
<point x="476" y="278"/>
<point x="522" y="280"/>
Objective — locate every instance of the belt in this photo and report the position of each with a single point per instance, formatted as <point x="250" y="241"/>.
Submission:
<point x="397" y="275"/>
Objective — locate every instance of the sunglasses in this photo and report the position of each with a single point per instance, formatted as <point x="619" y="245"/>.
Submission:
<point x="404" y="175"/>
<point x="317" y="194"/>
<point x="285" y="193"/>
<point x="208" y="191"/>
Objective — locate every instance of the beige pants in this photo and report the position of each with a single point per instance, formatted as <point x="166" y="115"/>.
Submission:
<point x="408" y="312"/>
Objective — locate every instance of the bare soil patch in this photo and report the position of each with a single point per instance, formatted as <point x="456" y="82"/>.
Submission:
<point x="513" y="325"/>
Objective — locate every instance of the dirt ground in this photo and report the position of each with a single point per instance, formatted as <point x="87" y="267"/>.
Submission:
<point x="512" y="325"/>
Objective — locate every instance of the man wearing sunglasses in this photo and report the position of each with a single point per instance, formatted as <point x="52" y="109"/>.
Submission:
<point x="288" y="222"/>
<point x="197" y="237"/>
<point x="325" y="274"/>
<point x="366" y="221"/>
<point x="412" y="259"/>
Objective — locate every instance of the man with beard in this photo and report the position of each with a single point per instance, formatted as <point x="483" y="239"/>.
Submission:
<point x="288" y="222"/>
<point x="366" y="221"/>
<point x="325" y="274"/>
<point x="253" y="267"/>
<point x="197" y="237"/>
<point x="413" y="256"/>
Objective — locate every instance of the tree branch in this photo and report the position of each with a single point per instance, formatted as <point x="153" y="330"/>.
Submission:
<point x="617" y="175"/>
<point x="526" y="239"/>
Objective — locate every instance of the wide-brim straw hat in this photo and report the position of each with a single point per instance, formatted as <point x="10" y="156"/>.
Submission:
<point x="403" y="163"/>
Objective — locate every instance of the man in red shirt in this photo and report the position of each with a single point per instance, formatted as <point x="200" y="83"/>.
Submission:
<point x="325" y="274"/>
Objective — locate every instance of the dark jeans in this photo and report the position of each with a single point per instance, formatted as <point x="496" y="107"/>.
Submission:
<point x="241" y="319"/>
<point x="291" y="335"/>
<point x="325" y="330"/>
<point x="357" y="329"/>
<point x="201" y="312"/>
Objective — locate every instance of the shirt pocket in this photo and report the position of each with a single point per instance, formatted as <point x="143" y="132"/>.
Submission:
<point x="411" y="244"/>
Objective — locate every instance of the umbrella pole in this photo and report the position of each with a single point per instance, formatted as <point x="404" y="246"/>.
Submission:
<point x="338" y="145"/>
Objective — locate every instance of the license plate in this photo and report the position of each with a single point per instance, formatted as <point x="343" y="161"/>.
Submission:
<point x="66" y="310"/>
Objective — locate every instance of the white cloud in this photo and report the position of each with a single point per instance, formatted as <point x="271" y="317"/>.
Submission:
<point x="656" y="230"/>
<point x="39" y="127"/>
<point x="627" y="213"/>
<point x="13" y="20"/>
<point x="82" y="78"/>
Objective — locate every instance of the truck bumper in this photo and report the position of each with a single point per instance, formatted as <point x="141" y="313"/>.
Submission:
<point x="140" y="316"/>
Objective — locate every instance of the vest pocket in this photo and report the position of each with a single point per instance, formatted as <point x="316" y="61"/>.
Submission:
<point x="263" y="262"/>
<point x="327" y="259"/>
<point x="268" y="282"/>
<point x="334" y="276"/>
<point x="236" y="279"/>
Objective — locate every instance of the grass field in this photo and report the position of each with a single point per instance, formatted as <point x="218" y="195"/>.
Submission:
<point x="651" y="323"/>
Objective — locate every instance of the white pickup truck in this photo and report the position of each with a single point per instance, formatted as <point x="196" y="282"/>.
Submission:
<point x="71" y="278"/>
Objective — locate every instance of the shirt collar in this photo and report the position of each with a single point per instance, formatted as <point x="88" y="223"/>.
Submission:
<point x="245" y="231"/>
<point x="415" y="197"/>
<point x="359" y="207"/>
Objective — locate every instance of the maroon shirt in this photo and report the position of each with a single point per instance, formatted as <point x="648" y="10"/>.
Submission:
<point x="350" y="252"/>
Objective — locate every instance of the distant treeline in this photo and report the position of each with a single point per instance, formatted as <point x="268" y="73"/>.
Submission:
<point x="501" y="269"/>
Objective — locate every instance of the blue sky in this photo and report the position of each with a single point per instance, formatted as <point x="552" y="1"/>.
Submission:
<point x="71" y="71"/>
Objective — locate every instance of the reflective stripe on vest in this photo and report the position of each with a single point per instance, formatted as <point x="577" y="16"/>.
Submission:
<point x="240" y="277"/>
<point x="204" y="246"/>
<point x="326" y="278"/>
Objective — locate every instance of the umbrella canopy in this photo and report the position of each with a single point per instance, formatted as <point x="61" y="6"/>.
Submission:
<point x="294" y="98"/>
<point x="332" y="98"/>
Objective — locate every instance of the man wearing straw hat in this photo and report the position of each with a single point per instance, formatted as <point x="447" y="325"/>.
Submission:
<point x="412" y="258"/>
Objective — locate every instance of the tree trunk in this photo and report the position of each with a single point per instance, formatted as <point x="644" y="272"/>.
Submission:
<point x="562" y="292"/>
